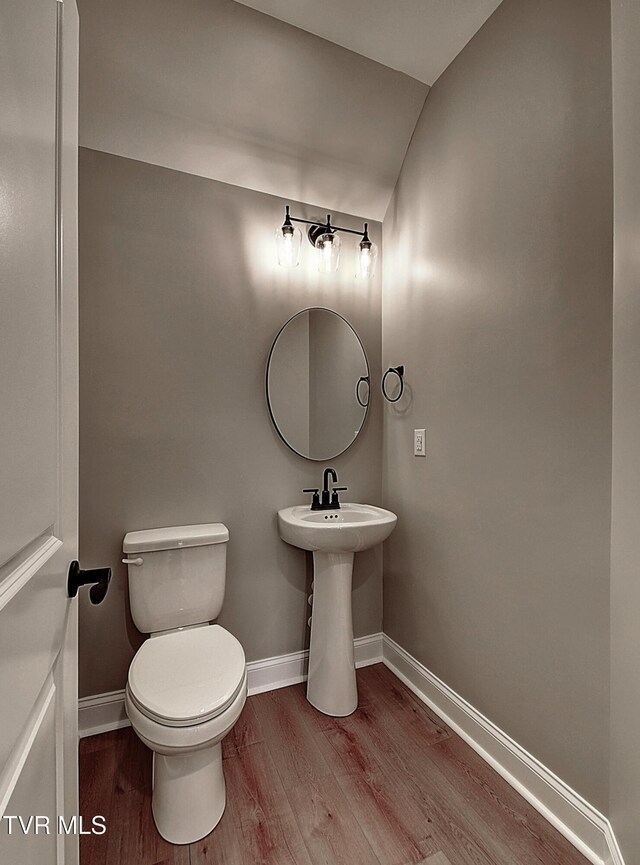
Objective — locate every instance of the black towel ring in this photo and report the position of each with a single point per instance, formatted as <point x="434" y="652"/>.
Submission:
<point x="363" y="378"/>
<point x="399" y="371"/>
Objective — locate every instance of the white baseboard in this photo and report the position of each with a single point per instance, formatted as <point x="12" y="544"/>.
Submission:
<point x="284" y="670"/>
<point x="104" y="712"/>
<point x="580" y="823"/>
<point x="101" y="713"/>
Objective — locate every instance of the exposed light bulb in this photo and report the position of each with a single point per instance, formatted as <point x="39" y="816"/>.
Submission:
<point x="367" y="256"/>
<point x="329" y="246"/>
<point x="288" y="243"/>
<point x="287" y="250"/>
<point x="365" y="263"/>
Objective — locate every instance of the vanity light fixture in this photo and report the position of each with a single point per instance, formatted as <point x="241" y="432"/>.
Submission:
<point x="324" y="237"/>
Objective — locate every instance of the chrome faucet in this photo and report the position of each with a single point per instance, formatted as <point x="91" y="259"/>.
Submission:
<point x="330" y="500"/>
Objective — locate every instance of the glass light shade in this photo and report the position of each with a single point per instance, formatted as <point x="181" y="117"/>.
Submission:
<point x="329" y="248"/>
<point x="367" y="257"/>
<point x="288" y="239"/>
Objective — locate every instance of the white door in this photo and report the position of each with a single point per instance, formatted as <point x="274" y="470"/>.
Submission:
<point x="38" y="428"/>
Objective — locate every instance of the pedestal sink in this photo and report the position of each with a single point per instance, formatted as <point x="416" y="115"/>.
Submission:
<point x="333" y="536"/>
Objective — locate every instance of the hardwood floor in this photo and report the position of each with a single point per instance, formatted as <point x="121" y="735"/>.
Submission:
<point x="389" y="785"/>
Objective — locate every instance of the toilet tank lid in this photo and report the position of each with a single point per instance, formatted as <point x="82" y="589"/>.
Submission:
<point x="175" y="537"/>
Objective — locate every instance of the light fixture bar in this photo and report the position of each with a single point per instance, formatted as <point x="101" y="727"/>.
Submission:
<point x="325" y="224"/>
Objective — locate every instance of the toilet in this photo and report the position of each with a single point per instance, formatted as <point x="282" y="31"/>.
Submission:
<point x="187" y="684"/>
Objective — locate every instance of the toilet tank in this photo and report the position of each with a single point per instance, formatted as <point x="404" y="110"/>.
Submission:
<point x="176" y="575"/>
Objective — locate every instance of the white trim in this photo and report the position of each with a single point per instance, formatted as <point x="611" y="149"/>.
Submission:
<point x="580" y="823"/>
<point x="104" y="712"/>
<point x="101" y="713"/>
<point x="368" y="650"/>
<point x="21" y="750"/>
<point x="18" y="573"/>
<point x="614" y="854"/>
<point x="284" y="670"/>
<point x="277" y="672"/>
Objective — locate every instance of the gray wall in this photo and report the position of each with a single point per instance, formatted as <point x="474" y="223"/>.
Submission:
<point x="625" y="534"/>
<point x="180" y="299"/>
<point x="497" y="297"/>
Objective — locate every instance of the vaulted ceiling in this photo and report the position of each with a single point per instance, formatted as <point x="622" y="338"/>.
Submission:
<point x="417" y="37"/>
<point x="221" y="90"/>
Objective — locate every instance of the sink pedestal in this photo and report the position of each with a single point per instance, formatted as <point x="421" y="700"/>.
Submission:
<point x="331" y="686"/>
<point x="334" y="538"/>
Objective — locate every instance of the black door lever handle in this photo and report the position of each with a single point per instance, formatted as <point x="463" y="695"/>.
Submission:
<point x="98" y="578"/>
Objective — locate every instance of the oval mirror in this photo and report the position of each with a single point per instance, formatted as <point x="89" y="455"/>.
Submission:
<point x="318" y="384"/>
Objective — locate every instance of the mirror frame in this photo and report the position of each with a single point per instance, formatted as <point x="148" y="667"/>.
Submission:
<point x="266" y="379"/>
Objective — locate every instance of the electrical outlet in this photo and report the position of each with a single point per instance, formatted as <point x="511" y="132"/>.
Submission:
<point x="419" y="443"/>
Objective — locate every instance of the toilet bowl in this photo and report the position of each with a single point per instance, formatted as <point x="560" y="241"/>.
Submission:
<point x="187" y="684"/>
<point x="185" y="691"/>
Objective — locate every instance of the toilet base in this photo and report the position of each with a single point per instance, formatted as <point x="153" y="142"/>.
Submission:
<point x="188" y="794"/>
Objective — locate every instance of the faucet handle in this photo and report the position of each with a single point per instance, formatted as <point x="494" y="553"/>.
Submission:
<point x="335" y="501"/>
<point x="315" y="501"/>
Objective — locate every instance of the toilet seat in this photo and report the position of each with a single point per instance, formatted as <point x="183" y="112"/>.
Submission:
<point x="185" y="678"/>
<point x="164" y="739"/>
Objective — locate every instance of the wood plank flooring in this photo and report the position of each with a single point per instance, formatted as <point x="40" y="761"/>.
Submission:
<point x="389" y="785"/>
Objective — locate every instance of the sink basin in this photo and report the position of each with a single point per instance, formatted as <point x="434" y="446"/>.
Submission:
<point x="353" y="528"/>
<point x="333" y="537"/>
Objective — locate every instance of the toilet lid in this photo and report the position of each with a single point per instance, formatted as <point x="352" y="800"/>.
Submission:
<point x="186" y="677"/>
